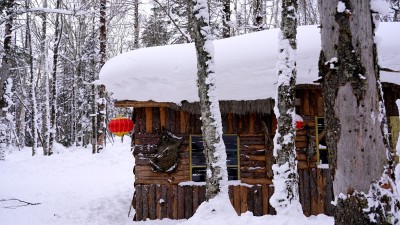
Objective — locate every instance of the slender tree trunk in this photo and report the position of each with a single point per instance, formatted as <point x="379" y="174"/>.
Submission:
<point x="44" y="69"/>
<point x="4" y="75"/>
<point x="53" y="113"/>
<point x="257" y="15"/>
<point x="226" y="19"/>
<point x="34" y="114"/>
<point x="276" y="12"/>
<point x="355" y="118"/>
<point x="136" y="25"/>
<point x="286" y="180"/>
<point x="214" y="148"/>
<point x="101" y="102"/>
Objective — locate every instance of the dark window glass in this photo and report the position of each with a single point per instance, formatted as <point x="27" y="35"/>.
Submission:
<point x="199" y="161"/>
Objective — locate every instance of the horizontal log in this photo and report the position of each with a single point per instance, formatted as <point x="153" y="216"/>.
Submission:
<point x="141" y="104"/>
<point x="301" y="144"/>
<point x="181" y="167"/>
<point x="150" y="173"/>
<point x="252" y="163"/>
<point x="253" y="175"/>
<point x="301" y="138"/>
<point x="165" y="181"/>
<point x="301" y="165"/>
<point x="253" y="181"/>
<point x="301" y="157"/>
<point x="304" y="165"/>
<point x="244" y="136"/>
<point x="253" y="169"/>
<point x="252" y="147"/>
<point x="252" y="157"/>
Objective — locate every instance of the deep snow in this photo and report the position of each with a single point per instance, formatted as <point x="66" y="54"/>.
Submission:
<point x="245" y="66"/>
<point x="75" y="187"/>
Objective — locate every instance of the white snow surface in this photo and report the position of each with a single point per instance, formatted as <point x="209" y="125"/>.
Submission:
<point x="75" y="187"/>
<point x="245" y="66"/>
<point x="341" y="7"/>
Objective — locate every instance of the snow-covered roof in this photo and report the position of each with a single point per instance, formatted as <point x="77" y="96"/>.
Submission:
<point x="245" y="66"/>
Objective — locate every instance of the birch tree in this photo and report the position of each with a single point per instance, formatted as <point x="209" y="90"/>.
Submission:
<point x="5" y="73"/>
<point x="101" y="102"/>
<point x="44" y="69"/>
<point x="286" y="195"/>
<point x="355" y="118"/>
<point x="53" y="112"/>
<point x="226" y="19"/>
<point x="214" y="148"/>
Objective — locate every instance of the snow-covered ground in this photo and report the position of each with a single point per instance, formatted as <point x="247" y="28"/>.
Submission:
<point x="75" y="187"/>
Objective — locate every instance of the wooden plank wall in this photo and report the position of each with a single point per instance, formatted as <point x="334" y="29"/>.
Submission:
<point x="158" y="195"/>
<point x="311" y="103"/>
<point x="158" y="201"/>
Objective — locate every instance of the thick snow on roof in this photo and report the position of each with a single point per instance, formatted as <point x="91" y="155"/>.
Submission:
<point x="245" y="66"/>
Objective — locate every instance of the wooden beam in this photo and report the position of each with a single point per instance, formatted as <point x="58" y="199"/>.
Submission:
<point x="162" y="118"/>
<point x="142" y="104"/>
<point x="252" y="120"/>
<point x="149" y="120"/>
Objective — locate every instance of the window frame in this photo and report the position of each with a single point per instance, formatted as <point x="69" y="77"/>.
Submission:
<point x="205" y="166"/>
<point x="317" y="139"/>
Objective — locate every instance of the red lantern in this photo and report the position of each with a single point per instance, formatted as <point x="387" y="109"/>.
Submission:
<point x="120" y="126"/>
<point x="299" y="122"/>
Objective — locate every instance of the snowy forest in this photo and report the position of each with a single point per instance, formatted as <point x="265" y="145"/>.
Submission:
<point x="63" y="80"/>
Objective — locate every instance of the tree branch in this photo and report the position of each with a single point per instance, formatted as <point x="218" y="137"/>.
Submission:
<point x="188" y="39"/>
<point x="388" y="70"/>
<point x="25" y="203"/>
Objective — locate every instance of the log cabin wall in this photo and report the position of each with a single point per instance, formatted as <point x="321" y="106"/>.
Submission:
<point x="165" y="195"/>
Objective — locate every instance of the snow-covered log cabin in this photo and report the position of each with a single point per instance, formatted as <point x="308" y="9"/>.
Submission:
<point x="160" y="83"/>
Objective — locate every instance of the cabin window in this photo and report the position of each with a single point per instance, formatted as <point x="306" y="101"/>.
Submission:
<point x="198" y="160"/>
<point x="322" y="151"/>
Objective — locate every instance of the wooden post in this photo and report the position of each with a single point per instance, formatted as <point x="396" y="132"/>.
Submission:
<point x="149" y="119"/>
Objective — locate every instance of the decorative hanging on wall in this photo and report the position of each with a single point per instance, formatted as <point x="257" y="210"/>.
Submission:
<point x="299" y="122"/>
<point x="120" y="126"/>
<point x="166" y="158"/>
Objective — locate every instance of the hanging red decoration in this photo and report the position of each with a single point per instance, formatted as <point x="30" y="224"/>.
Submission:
<point x="120" y="126"/>
<point x="299" y="122"/>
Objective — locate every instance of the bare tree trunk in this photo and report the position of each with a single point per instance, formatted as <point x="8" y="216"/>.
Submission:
<point x="286" y="180"/>
<point x="276" y="25"/>
<point x="226" y="19"/>
<point x="214" y="148"/>
<point x="101" y="102"/>
<point x="53" y="113"/>
<point x="355" y="117"/>
<point x="44" y="69"/>
<point x="5" y="74"/>
<point x="34" y="114"/>
<point x="258" y="22"/>
<point x="136" y="25"/>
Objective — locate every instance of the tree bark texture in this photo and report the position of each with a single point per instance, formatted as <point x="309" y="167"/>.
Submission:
<point x="53" y="111"/>
<point x="226" y="19"/>
<point x="136" y="25"/>
<point x="43" y="63"/>
<point x="286" y="196"/>
<point x="354" y="111"/>
<point x="101" y="103"/>
<point x="6" y="58"/>
<point x="4" y="75"/>
<point x="214" y="148"/>
<point x="258" y="21"/>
